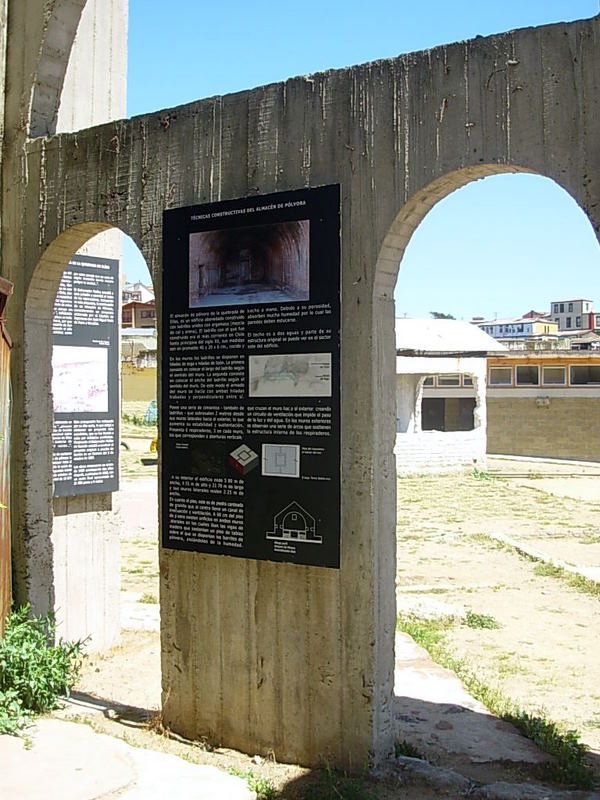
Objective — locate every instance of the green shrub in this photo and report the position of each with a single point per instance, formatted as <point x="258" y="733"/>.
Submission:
<point x="333" y="785"/>
<point x="473" y="620"/>
<point x="34" y="672"/>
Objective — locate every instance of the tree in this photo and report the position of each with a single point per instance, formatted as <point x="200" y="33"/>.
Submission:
<point x="441" y="315"/>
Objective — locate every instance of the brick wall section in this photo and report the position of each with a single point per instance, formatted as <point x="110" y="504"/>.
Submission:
<point x="567" y="428"/>
<point x="436" y="451"/>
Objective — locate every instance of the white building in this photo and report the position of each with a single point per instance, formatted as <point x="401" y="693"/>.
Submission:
<point x="441" y="431"/>
<point x="137" y="292"/>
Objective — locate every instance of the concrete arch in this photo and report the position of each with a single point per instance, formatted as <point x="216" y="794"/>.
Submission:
<point x="60" y="28"/>
<point x="387" y="267"/>
<point x="67" y="547"/>
<point x="414" y="211"/>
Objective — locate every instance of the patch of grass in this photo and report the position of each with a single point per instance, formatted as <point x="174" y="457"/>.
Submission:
<point x="543" y="569"/>
<point x="579" y="582"/>
<point x="34" y="672"/>
<point x="430" y="634"/>
<point x="482" y="475"/>
<point x="137" y="420"/>
<point x="591" y="538"/>
<point x="404" y="748"/>
<point x="473" y="620"/>
<point x="570" y="767"/>
<point x="148" y="597"/>
<point x="262" y="786"/>
<point x="489" y="541"/>
<point x="334" y="785"/>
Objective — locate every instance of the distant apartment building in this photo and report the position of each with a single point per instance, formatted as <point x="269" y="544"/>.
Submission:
<point x="138" y="309"/>
<point x="574" y="315"/>
<point x="518" y="327"/>
<point x="532" y="331"/>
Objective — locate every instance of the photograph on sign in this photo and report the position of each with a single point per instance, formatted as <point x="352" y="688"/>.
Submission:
<point x="259" y="264"/>
<point x="90" y="391"/>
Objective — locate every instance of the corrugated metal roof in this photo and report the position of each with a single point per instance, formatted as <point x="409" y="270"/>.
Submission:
<point x="443" y="336"/>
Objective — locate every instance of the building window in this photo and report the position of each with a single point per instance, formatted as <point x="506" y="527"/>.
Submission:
<point x="556" y="308"/>
<point x="570" y="306"/>
<point x="126" y="315"/>
<point x="568" y="322"/>
<point x="148" y="314"/>
<point x="428" y="381"/>
<point x="562" y="308"/>
<point x="500" y="376"/>
<point x="578" y="322"/>
<point x="585" y="375"/>
<point x="447" y="414"/>
<point x="528" y="375"/>
<point x="448" y="380"/>
<point x="467" y="380"/>
<point x="554" y="376"/>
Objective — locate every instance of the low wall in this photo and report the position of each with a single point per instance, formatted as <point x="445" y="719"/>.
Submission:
<point x="436" y="451"/>
<point x="561" y="428"/>
<point x="138" y="383"/>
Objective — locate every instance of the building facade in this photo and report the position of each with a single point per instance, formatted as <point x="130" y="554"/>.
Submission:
<point x="545" y="405"/>
<point x="573" y="315"/>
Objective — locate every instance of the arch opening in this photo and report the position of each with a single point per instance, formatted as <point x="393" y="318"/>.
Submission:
<point x="88" y="537"/>
<point x="461" y="517"/>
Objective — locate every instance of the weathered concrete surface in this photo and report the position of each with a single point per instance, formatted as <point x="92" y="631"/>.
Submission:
<point x="71" y="762"/>
<point x="435" y="712"/>
<point x="270" y="657"/>
<point x="66" y="550"/>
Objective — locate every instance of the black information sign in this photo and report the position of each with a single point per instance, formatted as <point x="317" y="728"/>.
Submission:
<point x="251" y="377"/>
<point x="85" y="378"/>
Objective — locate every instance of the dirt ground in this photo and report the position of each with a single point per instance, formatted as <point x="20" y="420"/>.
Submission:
<point x="543" y="654"/>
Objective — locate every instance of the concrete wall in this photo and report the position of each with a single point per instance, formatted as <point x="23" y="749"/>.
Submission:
<point x="67" y="550"/>
<point x="138" y="383"/>
<point x="568" y="427"/>
<point x="272" y="657"/>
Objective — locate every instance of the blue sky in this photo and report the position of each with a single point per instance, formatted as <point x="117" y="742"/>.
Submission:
<point x="498" y="246"/>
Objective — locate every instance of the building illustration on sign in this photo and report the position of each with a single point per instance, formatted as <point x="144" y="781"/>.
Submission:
<point x="294" y="522"/>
